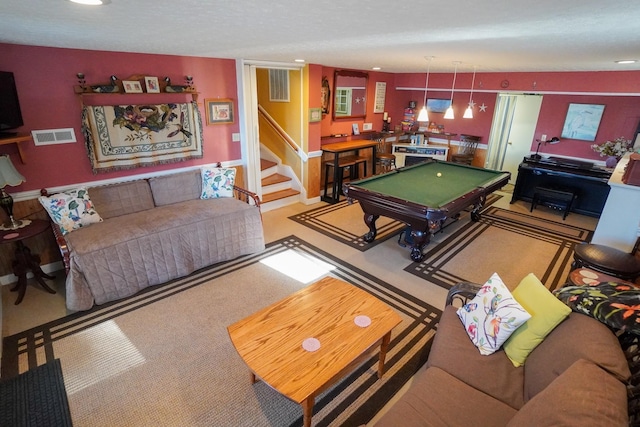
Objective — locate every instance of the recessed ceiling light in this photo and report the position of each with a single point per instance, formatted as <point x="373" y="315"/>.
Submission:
<point x="376" y="68"/>
<point x="91" y="2"/>
<point x="627" y="61"/>
<point x="299" y="60"/>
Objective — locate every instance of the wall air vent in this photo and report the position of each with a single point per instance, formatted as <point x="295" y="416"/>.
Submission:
<point x="278" y="85"/>
<point x="53" y="136"/>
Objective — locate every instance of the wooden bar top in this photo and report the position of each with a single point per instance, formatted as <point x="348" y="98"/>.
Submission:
<point x="339" y="147"/>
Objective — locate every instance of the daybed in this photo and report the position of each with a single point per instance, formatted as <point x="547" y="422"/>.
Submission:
<point x="575" y="377"/>
<point x="148" y="231"/>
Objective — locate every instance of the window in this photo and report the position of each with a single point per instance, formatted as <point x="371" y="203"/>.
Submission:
<point x="343" y="102"/>
<point x="278" y="85"/>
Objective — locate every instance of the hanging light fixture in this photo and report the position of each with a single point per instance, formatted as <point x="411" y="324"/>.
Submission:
<point x="424" y="115"/>
<point x="468" y="113"/>
<point x="449" y="113"/>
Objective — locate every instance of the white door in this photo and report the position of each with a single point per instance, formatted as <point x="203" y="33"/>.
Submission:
<point x="521" y="132"/>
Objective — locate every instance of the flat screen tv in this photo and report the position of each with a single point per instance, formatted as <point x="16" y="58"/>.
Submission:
<point x="10" y="114"/>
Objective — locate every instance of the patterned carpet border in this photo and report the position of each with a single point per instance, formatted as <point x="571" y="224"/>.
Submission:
<point x="314" y="220"/>
<point x="408" y="350"/>
<point x="433" y="266"/>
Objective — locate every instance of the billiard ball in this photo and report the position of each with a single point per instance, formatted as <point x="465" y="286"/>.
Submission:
<point x="438" y="174"/>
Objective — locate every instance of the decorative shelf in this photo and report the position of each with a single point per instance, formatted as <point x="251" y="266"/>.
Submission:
<point x="17" y="139"/>
<point x="164" y="89"/>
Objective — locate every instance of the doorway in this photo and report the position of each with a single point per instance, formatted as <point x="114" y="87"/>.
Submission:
<point x="512" y="131"/>
<point x="248" y="115"/>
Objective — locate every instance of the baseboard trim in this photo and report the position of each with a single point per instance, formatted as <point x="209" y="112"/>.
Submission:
<point x="47" y="268"/>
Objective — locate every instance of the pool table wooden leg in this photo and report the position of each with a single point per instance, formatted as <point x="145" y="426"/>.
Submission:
<point x="370" y="220"/>
<point x="420" y="240"/>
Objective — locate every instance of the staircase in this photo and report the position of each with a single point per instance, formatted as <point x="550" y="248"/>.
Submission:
<point x="277" y="190"/>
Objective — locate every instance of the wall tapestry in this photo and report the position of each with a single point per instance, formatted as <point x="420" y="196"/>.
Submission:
<point x="130" y="136"/>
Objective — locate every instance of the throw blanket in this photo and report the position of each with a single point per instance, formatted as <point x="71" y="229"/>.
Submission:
<point x="131" y="136"/>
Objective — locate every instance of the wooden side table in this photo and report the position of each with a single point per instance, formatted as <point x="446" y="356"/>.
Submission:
<point x="24" y="259"/>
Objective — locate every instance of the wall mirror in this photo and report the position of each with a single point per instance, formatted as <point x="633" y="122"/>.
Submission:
<point x="350" y="94"/>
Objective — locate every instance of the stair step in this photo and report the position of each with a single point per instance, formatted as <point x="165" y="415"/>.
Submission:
<point x="270" y="197"/>
<point x="266" y="164"/>
<point x="276" y="178"/>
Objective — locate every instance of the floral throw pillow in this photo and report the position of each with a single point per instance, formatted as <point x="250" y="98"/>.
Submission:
<point x="71" y="209"/>
<point x="492" y="316"/>
<point x="217" y="182"/>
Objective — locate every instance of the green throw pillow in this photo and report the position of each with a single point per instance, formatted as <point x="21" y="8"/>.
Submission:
<point x="546" y="313"/>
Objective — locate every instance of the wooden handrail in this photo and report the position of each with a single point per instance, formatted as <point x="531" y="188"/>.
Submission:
<point x="282" y="133"/>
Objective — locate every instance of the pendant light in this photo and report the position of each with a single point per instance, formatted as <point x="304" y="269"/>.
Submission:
<point x="468" y="113"/>
<point x="424" y="115"/>
<point x="449" y="113"/>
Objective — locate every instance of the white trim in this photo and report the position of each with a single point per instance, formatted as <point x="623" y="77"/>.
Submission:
<point x="34" y="194"/>
<point x="523" y="92"/>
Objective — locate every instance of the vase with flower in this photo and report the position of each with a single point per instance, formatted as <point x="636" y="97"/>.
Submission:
<point x="613" y="150"/>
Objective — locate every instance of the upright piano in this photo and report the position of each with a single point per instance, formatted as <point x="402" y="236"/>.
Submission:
<point x="587" y="181"/>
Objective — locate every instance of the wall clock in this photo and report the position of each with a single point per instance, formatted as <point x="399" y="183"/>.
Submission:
<point x="504" y="83"/>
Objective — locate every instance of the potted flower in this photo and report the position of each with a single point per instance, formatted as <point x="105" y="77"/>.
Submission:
<point x="613" y="150"/>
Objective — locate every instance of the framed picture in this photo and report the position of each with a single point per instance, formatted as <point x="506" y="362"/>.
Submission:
<point x="355" y="128"/>
<point x="315" y="114"/>
<point x="152" y="84"/>
<point x="582" y="121"/>
<point x="438" y="105"/>
<point x="132" y="86"/>
<point x="219" y="111"/>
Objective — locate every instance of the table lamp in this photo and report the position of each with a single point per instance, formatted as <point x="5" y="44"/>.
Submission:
<point x="9" y="176"/>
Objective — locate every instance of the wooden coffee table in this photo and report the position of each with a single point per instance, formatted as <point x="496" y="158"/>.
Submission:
<point x="271" y="340"/>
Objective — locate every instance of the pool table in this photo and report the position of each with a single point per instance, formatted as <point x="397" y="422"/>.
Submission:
<point x="423" y="196"/>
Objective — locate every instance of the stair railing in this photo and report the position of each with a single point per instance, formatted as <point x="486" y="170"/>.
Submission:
<point x="282" y="134"/>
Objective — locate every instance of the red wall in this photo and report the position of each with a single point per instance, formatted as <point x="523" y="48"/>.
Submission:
<point x="45" y="78"/>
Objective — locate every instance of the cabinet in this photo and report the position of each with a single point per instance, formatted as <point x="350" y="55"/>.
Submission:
<point x="408" y="154"/>
<point x="588" y="182"/>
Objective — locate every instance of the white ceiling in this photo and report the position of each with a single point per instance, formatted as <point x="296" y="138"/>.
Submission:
<point x="494" y="35"/>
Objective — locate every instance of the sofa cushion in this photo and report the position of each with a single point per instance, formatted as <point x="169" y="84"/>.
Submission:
<point x="492" y="315"/>
<point x="176" y="188"/>
<point x="578" y="337"/>
<point x="453" y="352"/>
<point x="584" y="395"/>
<point x="122" y="198"/>
<point x="217" y="182"/>
<point x="436" y="398"/>
<point x="70" y="209"/>
<point x="546" y="313"/>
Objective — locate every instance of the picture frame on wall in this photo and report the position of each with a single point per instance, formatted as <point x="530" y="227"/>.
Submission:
<point x="219" y="111"/>
<point x="315" y="115"/>
<point x="152" y="84"/>
<point x="132" y="86"/>
<point x="582" y="121"/>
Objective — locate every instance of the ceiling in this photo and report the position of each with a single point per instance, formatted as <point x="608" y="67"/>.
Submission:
<point x="494" y="36"/>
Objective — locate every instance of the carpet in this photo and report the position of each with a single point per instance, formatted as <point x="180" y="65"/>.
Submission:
<point x="509" y="243"/>
<point x="344" y="223"/>
<point x="163" y="357"/>
<point x="36" y="398"/>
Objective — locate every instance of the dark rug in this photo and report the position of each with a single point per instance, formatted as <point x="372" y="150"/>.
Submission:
<point x="344" y="223"/>
<point x="509" y="243"/>
<point x="35" y="398"/>
<point x="163" y="357"/>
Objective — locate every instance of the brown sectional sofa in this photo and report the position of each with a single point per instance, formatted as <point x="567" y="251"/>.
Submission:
<point x="155" y="230"/>
<point x="575" y="377"/>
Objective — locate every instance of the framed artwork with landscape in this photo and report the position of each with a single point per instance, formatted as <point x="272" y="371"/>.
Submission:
<point x="582" y="121"/>
<point x="219" y="111"/>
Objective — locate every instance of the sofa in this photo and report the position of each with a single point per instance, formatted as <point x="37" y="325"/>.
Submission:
<point x="120" y="238"/>
<point x="576" y="376"/>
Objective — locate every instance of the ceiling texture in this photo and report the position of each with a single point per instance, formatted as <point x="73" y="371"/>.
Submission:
<point x="491" y="35"/>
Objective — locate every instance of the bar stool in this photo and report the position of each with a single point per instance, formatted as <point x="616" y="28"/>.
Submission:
<point x="607" y="260"/>
<point x="347" y="162"/>
<point x="384" y="157"/>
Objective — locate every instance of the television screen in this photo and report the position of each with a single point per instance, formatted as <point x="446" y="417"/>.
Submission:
<point x="438" y="105"/>
<point x="10" y="114"/>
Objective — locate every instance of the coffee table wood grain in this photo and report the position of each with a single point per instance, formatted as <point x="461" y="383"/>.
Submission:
<point x="270" y="341"/>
